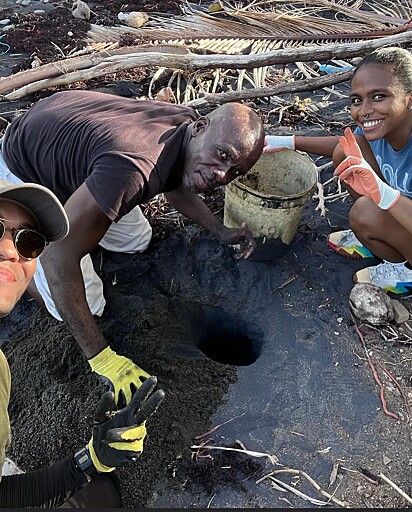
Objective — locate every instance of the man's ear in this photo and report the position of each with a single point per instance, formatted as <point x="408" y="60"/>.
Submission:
<point x="200" y="125"/>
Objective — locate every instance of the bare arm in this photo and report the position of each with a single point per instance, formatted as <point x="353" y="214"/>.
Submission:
<point x="192" y="206"/>
<point x="323" y="146"/>
<point x="61" y="263"/>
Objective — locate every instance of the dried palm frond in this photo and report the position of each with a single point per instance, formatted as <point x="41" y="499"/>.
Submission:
<point x="278" y="19"/>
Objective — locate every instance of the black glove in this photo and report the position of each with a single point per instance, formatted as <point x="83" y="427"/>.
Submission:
<point x="118" y="436"/>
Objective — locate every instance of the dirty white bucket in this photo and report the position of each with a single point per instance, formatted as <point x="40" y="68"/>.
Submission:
<point x="272" y="196"/>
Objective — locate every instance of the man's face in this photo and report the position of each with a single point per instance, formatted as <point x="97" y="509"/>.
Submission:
<point x="15" y="272"/>
<point x="218" y="152"/>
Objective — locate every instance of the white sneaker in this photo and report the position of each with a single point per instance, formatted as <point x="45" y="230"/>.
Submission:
<point x="346" y="244"/>
<point x="394" y="278"/>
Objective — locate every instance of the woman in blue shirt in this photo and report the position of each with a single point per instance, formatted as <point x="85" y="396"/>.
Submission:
<point x="381" y="107"/>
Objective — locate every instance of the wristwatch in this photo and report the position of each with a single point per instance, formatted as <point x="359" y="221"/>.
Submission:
<point x="84" y="462"/>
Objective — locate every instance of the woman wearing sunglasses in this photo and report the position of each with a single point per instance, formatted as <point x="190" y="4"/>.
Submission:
<point x="30" y="218"/>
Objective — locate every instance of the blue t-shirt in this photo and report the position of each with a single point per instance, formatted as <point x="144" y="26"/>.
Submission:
<point x="396" y="166"/>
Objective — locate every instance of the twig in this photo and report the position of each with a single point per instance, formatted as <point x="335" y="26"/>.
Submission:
<point x="308" y="478"/>
<point x="375" y="374"/>
<point x="370" y="480"/>
<point x="397" y="489"/>
<point x="201" y="436"/>
<point x="400" y="388"/>
<point x="314" y="501"/>
<point x="288" y="281"/>
<point x="210" y="501"/>
<point x="273" y="459"/>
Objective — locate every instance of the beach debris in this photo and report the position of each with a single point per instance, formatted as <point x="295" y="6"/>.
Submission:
<point x="400" y="312"/>
<point x="375" y="374"/>
<point x="285" y="283"/>
<point x="166" y="94"/>
<point x="397" y="488"/>
<point x="400" y="388"/>
<point x="81" y="10"/>
<point x="180" y="58"/>
<point x="272" y="458"/>
<point x="334" y="473"/>
<point x="133" y="19"/>
<point x="301" y="473"/>
<point x="201" y="436"/>
<point x="371" y="304"/>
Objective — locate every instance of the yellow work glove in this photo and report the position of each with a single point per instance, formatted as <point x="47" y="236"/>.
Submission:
<point x="118" y="436"/>
<point x="117" y="372"/>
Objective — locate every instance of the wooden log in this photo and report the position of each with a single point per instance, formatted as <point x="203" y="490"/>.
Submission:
<point x="310" y="84"/>
<point x="191" y="62"/>
<point x="65" y="66"/>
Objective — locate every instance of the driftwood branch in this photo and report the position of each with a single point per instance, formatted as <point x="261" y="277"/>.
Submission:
<point x="114" y="63"/>
<point x="310" y="84"/>
<point x="65" y="66"/>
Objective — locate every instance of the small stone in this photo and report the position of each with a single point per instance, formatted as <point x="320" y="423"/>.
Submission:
<point x="136" y="19"/>
<point x="6" y="21"/>
<point x="7" y="28"/>
<point x="25" y="2"/>
<point x="122" y="15"/>
<point x="45" y="1"/>
<point x="18" y="2"/>
<point x="400" y="313"/>
<point x="370" y="304"/>
<point x="81" y="10"/>
<point x="39" y="12"/>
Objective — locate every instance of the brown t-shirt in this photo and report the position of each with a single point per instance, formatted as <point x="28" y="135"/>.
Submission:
<point x="127" y="151"/>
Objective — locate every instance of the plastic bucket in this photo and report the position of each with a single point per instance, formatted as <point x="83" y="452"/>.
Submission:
<point x="272" y="196"/>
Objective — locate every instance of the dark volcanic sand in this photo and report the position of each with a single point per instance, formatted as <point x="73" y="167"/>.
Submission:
<point x="292" y="369"/>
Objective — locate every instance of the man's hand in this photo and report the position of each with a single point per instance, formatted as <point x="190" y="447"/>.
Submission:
<point x="275" y="143"/>
<point x="359" y="175"/>
<point x="118" y="436"/>
<point x="242" y="236"/>
<point x="117" y="372"/>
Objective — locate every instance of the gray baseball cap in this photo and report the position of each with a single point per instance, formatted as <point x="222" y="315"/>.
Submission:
<point x="42" y="204"/>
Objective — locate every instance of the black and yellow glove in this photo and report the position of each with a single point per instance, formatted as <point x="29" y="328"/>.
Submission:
<point x="118" y="436"/>
<point x="117" y="372"/>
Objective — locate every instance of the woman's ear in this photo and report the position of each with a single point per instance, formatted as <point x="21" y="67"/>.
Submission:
<point x="200" y="125"/>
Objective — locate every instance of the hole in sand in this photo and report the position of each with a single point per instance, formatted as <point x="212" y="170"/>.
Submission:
<point x="227" y="340"/>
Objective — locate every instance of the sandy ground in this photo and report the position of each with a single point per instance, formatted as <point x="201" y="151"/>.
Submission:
<point x="268" y="344"/>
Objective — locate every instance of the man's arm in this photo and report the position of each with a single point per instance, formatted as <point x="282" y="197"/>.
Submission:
<point x="192" y="206"/>
<point x="61" y="263"/>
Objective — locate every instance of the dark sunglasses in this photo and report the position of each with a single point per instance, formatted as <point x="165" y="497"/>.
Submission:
<point x="28" y="243"/>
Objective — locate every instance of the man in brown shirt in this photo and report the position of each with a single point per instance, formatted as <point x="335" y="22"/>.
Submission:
<point x="103" y="156"/>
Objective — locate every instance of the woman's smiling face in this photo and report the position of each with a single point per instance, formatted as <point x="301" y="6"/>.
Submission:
<point x="15" y="272"/>
<point x="379" y="105"/>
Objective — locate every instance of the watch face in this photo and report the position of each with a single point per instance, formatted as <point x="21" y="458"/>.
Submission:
<point x="84" y="460"/>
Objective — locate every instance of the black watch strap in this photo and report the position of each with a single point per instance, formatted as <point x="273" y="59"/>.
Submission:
<point x="84" y="462"/>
